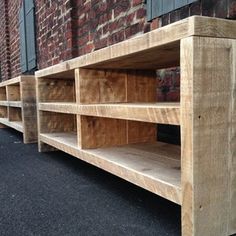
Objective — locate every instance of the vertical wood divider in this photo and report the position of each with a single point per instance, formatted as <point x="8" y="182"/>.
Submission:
<point x="113" y="86"/>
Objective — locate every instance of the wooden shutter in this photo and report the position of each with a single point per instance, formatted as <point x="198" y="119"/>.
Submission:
<point x="23" y="50"/>
<point x="156" y="8"/>
<point x="30" y="34"/>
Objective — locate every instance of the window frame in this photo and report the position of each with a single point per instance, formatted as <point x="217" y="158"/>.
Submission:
<point x="27" y="31"/>
<point x="157" y="8"/>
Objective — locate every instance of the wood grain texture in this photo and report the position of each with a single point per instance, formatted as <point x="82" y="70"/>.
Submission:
<point x="98" y="132"/>
<point x="15" y="114"/>
<point x="232" y="219"/>
<point x="206" y="115"/>
<point x="115" y="86"/>
<point x="29" y="109"/>
<point x="51" y="122"/>
<point x="141" y="86"/>
<point x="100" y="86"/>
<point x="3" y="94"/>
<point x="156" y="49"/>
<point x="141" y="132"/>
<point x="13" y="92"/>
<point x="56" y="90"/>
<point x="162" y="113"/>
<point x="3" y="112"/>
<point x="155" y="166"/>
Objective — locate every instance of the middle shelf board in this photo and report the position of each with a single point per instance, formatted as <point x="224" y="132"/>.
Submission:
<point x="162" y="113"/>
<point x="153" y="166"/>
<point x="11" y="103"/>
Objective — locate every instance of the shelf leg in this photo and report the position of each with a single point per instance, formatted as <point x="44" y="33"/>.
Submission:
<point x="29" y="111"/>
<point x="208" y="118"/>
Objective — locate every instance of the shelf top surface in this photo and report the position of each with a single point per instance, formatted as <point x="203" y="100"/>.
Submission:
<point x="16" y="80"/>
<point x="156" y="49"/>
<point x="141" y="105"/>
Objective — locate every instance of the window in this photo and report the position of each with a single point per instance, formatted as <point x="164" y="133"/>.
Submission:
<point x="27" y="36"/>
<point x="157" y="8"/>
<point x="0" y="71"/>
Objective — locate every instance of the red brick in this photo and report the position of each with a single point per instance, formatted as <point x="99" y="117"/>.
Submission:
<point x="140" y="13"/>
<point x="155" y="24"/>
<point x="137" y="2"/>
<point x="232" y="9"/>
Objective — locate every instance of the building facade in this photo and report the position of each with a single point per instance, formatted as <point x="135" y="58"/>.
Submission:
<point x="64" y="29"/>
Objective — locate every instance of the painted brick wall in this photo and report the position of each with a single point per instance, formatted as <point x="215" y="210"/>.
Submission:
<point x="69" y="28"/>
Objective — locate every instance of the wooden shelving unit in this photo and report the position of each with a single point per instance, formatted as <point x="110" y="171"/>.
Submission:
<point x="102" y="108"/>
<point x="18" y="106"/>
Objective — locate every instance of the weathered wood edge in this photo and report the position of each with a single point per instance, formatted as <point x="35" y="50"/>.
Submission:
<point x="192" y="26"/>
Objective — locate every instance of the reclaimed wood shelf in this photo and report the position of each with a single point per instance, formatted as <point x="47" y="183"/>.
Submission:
<point x="153" y="166"/>
<point x="102" y="108"/>
<point x="162" y="113"/>
<point x="18" y="106"/>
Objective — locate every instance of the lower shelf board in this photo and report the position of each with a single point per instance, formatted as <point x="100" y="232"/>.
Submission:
<point x="152" y="166"/>
<point x="17" y="125"/>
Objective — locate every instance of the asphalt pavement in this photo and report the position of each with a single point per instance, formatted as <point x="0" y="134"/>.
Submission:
<point x="47" y="194"/>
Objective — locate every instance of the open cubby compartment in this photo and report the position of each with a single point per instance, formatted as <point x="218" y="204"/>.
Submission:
<point x="99" y="86"/>
<point x="58" y="123"/>
<point x="97" y="132"/>
<point x="14" y="92"/>
<point x="15" y="114"/>
<point x="3" y="94"/>
<point x="56" y="90"/>
<point x="133" y="145"/>
<point x="3" y="112"/>
<point x="125" y="148"/>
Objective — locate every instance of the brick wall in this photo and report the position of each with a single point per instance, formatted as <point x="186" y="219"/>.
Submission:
<point x="4" y="39"/>
<point x="169" y="80"/>
<point x="14" y="40"/>
<point x="55" y="41"/>
<point x="69" y="28"/>
<point x="212" y="8"/>
<point x="105" y="22"/>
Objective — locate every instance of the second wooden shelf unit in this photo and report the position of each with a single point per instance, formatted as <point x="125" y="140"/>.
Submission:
<point x="18" y="106"/>
<point x="102" y="108"/>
